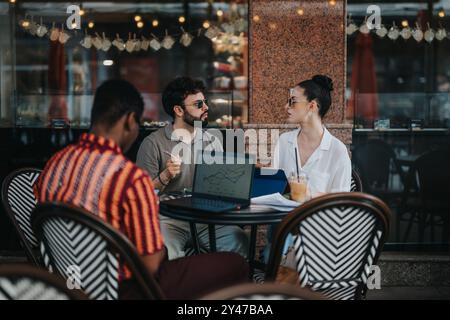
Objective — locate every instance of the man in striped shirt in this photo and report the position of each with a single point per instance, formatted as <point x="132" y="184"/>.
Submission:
<point x="95" y="175"/>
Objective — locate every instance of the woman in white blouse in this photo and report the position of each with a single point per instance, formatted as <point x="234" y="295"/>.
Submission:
<point x="320" y="155"/>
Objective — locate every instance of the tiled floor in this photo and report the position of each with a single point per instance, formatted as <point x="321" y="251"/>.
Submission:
<point x="410" y="293"/>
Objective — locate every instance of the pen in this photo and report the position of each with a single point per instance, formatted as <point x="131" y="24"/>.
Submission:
<point x="172" y="156"/>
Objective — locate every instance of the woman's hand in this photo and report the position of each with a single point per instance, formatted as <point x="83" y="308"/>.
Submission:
<point x="318" y="194"/>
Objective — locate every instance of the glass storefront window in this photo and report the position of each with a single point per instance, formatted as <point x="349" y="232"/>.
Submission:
<point x="402" y="110"/>
<point x="147" y="44"/>
<point x="6" y="62"/>
<point x="398" y="98"/>
<point x="401" y="78"/>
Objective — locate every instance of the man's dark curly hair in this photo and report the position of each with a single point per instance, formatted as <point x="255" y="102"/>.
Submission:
<point x="177" y="90"/>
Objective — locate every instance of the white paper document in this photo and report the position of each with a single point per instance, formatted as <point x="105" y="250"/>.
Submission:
<point x="275" y="201"/>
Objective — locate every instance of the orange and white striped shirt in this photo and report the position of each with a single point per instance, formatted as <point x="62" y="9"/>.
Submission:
<point x="95" y="175"/>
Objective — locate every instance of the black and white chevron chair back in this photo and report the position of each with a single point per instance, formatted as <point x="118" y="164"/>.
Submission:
<point x="19" y="202"/>
<point x="356" y="183"/>
<point x="267" y="291"/>
<point x="80" y="254"/>
<point x="87" y="252"/>
<point x="337" y="239"/>
<point x="22" y="282"/>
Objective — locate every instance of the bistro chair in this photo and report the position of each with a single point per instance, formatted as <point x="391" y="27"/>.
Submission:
<point x="376" y="161"/>
<point x="19" y="202"/>
<point x="74" y="242"/>
<point x="337" y="238"/>
<point x="432" y="176"/>
<point x="356" y="184"/>
<point x="23" y="282"/>
<point x="267" y="291"/>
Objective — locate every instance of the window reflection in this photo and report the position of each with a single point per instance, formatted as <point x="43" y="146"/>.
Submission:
<point x="401" y="77"/>
<point x="148" y="44"/>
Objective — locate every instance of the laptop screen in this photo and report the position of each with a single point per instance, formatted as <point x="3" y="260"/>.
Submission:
<point x="230" y="177"/>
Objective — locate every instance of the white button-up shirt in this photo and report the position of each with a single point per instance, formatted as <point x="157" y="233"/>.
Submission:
<point x="328" y="168"/>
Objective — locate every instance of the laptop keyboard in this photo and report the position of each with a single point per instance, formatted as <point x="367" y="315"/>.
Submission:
<point x="212" y="203"/>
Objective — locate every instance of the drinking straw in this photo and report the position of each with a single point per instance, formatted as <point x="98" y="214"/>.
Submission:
<point x="296" y="165"/>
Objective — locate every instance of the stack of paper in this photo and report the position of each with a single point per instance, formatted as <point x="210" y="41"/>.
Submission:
<point x="275" y="201"/>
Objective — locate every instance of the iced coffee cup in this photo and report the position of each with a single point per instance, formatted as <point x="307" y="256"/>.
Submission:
<point x="299" y="187"/>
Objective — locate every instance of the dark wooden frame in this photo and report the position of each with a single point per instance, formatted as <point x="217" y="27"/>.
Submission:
<point x="31" y="255"/>
<point x="244" y="290"/>
<point x="13" y="271"/>
<point x="291" y="221"/>
<point x="118" y="242"/>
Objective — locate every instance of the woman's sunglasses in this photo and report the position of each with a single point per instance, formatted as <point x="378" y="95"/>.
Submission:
<point x="293" y="99"/>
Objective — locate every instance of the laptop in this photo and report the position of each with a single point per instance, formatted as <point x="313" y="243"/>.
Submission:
<point x="268" y="181"/>
<point x="219" y="187"/>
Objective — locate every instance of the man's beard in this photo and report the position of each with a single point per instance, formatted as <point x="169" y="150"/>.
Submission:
<point x="189" y="119"/>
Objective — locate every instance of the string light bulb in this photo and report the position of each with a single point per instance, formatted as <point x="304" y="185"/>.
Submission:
<point x="181" y="19"/>
<point x="137" y="18"/>
<point x="25" y="23"/>
<point x="256" y="18"/>
<point x="332" y="2"/>
<point x="91" y="24"/>
<point x="219" y="13"/>
<point x="300" y="12"/>
<point x="441" y="14"/>
<point x="140" y="24"/>
<point x="12" y="1"/>
<point x="82" y="12"/>
<point x="405" y="23"/>
<point x="155" y="23"/>
<point x="206" y="24"/>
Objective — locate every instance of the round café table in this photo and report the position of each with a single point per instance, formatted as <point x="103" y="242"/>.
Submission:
<point x="252" y="216"/>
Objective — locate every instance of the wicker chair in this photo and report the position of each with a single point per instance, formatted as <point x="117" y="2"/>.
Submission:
<point x="23" y="282"/>
<point x="337" y="238"/>
<point x="19" y="202"/>
<point x="76" y="242"/>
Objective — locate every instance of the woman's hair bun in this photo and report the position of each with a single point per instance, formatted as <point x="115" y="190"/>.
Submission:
<point x="323" y="81"/>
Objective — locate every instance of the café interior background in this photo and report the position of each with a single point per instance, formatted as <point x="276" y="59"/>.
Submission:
<point x="44" y="80"/>
<point x="391" y="86"/>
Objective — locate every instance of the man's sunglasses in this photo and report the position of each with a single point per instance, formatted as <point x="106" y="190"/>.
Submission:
<point x="198" y="104"/>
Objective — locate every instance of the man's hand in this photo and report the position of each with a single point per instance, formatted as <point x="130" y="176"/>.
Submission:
<point x="153" y="262"/>
<point x="173" y="168"/>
